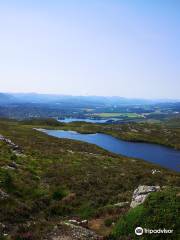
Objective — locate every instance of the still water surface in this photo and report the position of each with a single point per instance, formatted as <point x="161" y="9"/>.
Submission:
<point x="164" y="156"/>
<point x="89" y="120"/>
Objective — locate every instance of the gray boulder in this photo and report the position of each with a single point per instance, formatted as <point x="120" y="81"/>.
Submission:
<point x="141" y="193"/>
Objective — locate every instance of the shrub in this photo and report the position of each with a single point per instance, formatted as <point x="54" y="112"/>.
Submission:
<point x="108" y="222"/>
<point x="59" y="193"/>
<point x="13" y="157"/>
<point x="86" y="211"/>
<point x="59" y="209"/>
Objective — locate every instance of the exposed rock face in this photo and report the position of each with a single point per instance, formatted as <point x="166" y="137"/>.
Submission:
<point x="3" y="195"/>
<point x="82" y="233"/>
<point x="68" y="231"/>
<point x="141" y="193"/>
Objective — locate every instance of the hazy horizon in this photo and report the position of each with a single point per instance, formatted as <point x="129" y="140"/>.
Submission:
<point x="106" y="96"/>
<point x="123" y="48"/>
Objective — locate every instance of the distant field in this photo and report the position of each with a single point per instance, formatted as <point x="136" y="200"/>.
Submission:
<point x="109" y="115"/>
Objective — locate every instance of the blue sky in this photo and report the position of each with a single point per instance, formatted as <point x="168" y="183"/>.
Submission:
<point x="128" y="48"/>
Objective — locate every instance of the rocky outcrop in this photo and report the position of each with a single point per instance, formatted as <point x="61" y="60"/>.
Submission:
<point x="15" y="148"/>
<point x="79" y="232"/>
<point x="69" y="231"/>
<point x="141" y="193"/>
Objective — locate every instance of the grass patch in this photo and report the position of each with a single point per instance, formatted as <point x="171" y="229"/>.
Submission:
<point x="118" y="115"/>
<point x="160" y="210"/>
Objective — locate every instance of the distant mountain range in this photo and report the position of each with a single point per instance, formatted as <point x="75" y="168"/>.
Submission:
<point x="9" y="98"/>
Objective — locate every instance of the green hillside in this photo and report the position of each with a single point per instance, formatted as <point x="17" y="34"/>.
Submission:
<point x="46" y="180"/>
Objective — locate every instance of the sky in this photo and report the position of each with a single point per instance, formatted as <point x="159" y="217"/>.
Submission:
<point x="127" y="48"/>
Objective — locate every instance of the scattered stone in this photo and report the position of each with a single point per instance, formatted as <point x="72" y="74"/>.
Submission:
<point x="134" y="130"/>
<point x="70" y="151"/>
<point x="82" y="223"/>
<point x="69" y="231"/>
<point x="79" y="232"/>
<point x="121" y="204"/>
<point x="154" y="171"/>
<point x="3" y="195"/>
<point x="141" y="193"/>
<point x="13" y="165"/>
<point x="62" y="238"/>
<point x="8" y="167"/>
<point x="15" y="148"/>
<point x="73" y="221"/>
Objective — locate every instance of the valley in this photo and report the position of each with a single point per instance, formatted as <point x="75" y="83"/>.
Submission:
<point x="89" y="120"/>
<point x="56" y="180"/>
